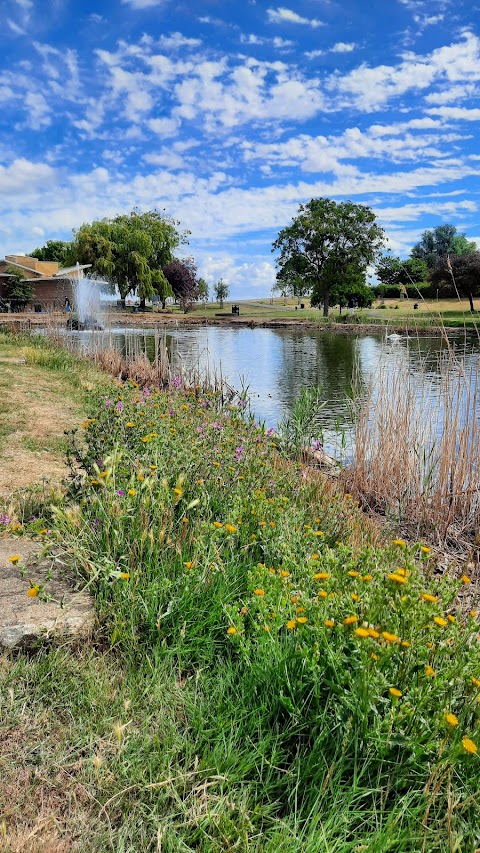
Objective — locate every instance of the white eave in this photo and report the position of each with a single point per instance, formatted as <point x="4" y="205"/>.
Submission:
<point x="65" y="272"/>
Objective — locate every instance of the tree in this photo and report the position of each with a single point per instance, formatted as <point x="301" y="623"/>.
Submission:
<point x="221" y="290"/>
<point x="202" y="290"/>
<point x="459" y="274"/>
<point x="55" y="250"/>
<point x="324" y="239"/>
<point x="442" y="241"/>
<point x="16" y="288"/>
<point x="393" y="271"/>
<point x="181" y="276"/>
<point x="351" y="284"/>
<point x="129" y="249"/>
<point x="292" y="279"/>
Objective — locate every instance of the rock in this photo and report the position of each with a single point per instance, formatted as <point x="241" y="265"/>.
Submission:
<point x="57" y="611"/>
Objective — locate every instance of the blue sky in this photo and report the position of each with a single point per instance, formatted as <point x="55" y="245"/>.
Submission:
<point x="228" y="115"/>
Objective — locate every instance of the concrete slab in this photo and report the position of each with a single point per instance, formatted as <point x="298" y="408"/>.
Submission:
<point x="57" y="610"/>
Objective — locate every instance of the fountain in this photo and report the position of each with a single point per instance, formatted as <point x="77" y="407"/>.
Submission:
<point x="87" y="295"/>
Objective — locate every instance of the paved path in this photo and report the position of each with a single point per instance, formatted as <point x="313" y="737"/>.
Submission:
<point x="57" y="610"/>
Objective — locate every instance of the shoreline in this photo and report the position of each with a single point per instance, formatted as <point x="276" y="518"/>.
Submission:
<point x="25" y="322"/>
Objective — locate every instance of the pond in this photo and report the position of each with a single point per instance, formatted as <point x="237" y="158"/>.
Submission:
<point x="275" y="364"/>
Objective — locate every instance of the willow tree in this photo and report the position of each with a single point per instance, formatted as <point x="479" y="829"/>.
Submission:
<point x="324" y="240"/>
<point x="131" y="250"/>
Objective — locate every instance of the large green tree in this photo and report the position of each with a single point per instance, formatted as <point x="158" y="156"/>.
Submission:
<point x="293" y="279"/>
<point x="17" y="289"/>
<point x="442" y="241"/>
<point x="459" y="275"/>
<point x="55" y="250"/>
<point x="324" y="239"/>
<point x="131" y="250"/>
<point x="391" y="270"/>
<point x="351" y="284"/>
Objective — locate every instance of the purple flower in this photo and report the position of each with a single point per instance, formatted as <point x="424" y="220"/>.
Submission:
<point x="317" y="444"/>
<point x="216" y="425"/>
<point x="242" y="403"/>
<point x="176" y="382"/>
<point x="147" y="392"/>
<point x="108" y="403"/>
<point x="120" y="492"/>
<point x="171" y="413"/>
<point x="239" y="451"/>
<point x="119" y="406"/>
<point x="4" y="519"/>
<point x="96" y="524"/>
<point x="270" y="431"/>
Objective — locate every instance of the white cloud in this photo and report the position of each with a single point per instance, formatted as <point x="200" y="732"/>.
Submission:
<point x="15" y="28"/>
<point x="343" y="47"/>
<point x="462" y="113"/>
<point x="164" y="127"/>
<point x="143" y="4"/>
<point x="288" y="16"/>
<point x="176" y="41"/>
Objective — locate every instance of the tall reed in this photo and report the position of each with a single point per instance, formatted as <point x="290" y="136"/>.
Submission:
<point x="417" y="446"/>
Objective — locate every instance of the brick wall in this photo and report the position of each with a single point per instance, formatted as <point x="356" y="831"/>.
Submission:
<point x="50" y="293"/>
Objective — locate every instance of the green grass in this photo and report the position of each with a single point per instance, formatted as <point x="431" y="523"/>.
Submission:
<point x="252" y="627"/>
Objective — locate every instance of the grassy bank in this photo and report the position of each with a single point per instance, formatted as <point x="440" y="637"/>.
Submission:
<point x="268" y="674"/>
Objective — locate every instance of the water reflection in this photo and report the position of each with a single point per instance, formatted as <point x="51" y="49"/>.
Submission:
<point x="274" y="364"/>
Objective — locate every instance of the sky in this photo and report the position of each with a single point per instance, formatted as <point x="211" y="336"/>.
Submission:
<point x="229" y="114"/>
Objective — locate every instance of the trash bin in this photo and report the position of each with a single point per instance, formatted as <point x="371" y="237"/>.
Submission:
<point x="302" y="305"/>
<point x="236" y="310"/>
<point x="38" y="309"/>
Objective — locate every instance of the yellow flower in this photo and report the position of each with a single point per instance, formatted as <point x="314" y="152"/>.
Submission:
<point x="361" y="632"/>
<point x="259" y="592"/>
<point x="390" y="638"/>
<point x="217" y="524"/>
<point x="178" y="492"/>
<point x="396" y="693"/>
<point x="469" y="745"/>
<point x="451" y="618"/>
<point x="315" y="556"/>
<point x="354" y="574"/>
<point x="329" y="623"/>
<point x="367" y="578"/>
<point x="33" y="591"/>
<point x="14" y="560"/>
<point x="284" y="573"/>
<point x="405" y="644"/>
<point x="132" y="492"/>
<point x="130" y="424"/>
<point x="124" y="576"/>
<point x="373" y="633"/>
<point x="141" y="478"/>
<point x="428" y="597"/>
<point x="230" y="528"/>
<point x="374" y="656"/>
<point x="355" y="597"/>
<point x="294" y="599"/>
<point x="425" y="549"/>
<point x="189" y="564"/>
<point x="402" y="572"/>
<point x="430" y="671"/>
<point x="476" y="682"/>
<point x="291" y="624"/>
<point x="473" y="614"/>
<point x="396" y="578"/>
<point x="232" y="630"/>
<point x="42" y="532"/>
<point x="400" y="542"/>
<point x="440" y="621"/>
<point x="321" y="576"/>
<point x="451" y="719"/>
<point x="319" y="533"/>
<point x="322" y="594"/>
<point x="465" y="579"/>
<point x="301" y="620"/>
<point x="350" y="620"/>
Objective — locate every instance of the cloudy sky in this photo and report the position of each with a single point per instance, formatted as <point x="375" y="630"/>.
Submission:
<point x="228" y="114"/>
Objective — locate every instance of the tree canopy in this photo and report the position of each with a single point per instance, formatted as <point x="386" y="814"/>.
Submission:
<point x="221" y="290"/>
<point x="393" y="271"/>
<point x="459" y="275"/>
<point x="131" y="250"/>
<point x="442" y="241"/>
<point x="350" y="285"/>
<point x="182" y="278"/>
<point x="55" y="250"/>
<point x="323" y="241"/>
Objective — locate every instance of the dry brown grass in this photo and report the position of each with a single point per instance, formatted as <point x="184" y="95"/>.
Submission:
<point x="417" y="456"/>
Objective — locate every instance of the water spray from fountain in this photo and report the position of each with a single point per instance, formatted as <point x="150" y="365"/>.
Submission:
<point x="87" y="298"/>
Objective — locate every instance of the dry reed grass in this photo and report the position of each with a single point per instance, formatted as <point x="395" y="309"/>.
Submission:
<point x="417" y="439"/>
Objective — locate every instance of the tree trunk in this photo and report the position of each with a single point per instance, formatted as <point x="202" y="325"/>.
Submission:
<point x="142" y="304"/>
<point x="325" y="304"/>
<point x="470" y="299"/>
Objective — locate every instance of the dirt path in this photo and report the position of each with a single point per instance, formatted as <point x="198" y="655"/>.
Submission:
<point x="36" y="406"/>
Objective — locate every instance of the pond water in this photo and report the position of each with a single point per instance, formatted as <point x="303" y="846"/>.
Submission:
<point x="275" y="364"/>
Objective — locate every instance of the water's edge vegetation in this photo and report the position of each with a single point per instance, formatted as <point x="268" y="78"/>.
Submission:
<point x="270" y="671"/>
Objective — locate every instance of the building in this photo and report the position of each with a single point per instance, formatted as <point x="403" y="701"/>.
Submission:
<point x="51" y="284"/>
